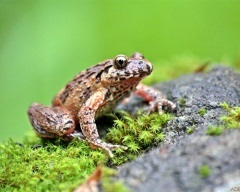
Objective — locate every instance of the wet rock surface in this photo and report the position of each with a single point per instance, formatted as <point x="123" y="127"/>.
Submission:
<point x="175" y="165"/>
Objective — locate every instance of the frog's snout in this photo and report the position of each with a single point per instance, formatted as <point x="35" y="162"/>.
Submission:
<point x="140" y="68"/>
<point x="149" y="67"/>
<point x="145" y="67"/>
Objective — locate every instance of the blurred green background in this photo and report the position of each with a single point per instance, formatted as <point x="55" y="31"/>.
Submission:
<point x="43" y="44"/>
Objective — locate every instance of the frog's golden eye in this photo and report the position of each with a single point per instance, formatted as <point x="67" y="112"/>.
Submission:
<point x="120" y="61"/>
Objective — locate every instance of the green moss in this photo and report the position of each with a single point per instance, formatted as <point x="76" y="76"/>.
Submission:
<point x="232" y="119"/>
<point x="204" y="171"/>
<point x="49" y="168"/>
<point x="182" y="102"/>
<point x="190" y="130"/>
<point x="225" y="106"/>
<point x="202" y="111"/>
<point x="214" y="131"/>
<point x="37" y="166"/>
<point x="138" y="134"/>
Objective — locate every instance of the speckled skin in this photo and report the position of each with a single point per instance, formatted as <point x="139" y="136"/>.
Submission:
<point x="90" y="95"/>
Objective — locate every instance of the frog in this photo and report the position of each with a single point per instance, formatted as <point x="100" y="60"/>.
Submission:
<point x="93" y="93"/>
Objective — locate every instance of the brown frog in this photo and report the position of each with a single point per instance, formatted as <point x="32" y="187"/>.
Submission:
<point x="90" y="95"/>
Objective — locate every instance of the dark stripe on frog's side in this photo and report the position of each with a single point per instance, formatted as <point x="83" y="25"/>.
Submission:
<point x="107" y="68"/>
<point x="99" y="75"/>
<point x="64" y="96"/>
<point x="89" y="75"/>
<point x="86" y="93"/>
<point x="68" y="88"/>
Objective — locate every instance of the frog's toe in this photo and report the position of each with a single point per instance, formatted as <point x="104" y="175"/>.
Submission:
<point x="109" y="152"/>
<point x="165" y="103"/>
<point x="111" y="146"/>
<point x="117" y="146"/>
<point x="154" y="106"/>
<point x="105" y="146"/>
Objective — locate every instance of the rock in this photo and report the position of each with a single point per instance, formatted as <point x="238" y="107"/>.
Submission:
<point x="177" y="167"/>
<point x="195" y="92"/>
<point x="176" y="164"/>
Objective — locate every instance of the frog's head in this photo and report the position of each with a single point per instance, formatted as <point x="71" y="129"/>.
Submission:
<point x="124" y="69"/>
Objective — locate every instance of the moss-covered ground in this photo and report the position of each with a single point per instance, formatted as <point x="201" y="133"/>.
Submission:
<point x="34" y="165"/>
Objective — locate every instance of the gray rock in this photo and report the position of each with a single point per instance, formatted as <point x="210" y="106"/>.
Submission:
<point x="175" y="164"/>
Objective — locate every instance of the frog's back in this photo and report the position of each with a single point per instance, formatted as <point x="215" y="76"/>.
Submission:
<point x="78" y="90"/>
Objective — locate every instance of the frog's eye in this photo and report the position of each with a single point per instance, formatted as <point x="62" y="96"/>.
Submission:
<point x="120" y="61"/>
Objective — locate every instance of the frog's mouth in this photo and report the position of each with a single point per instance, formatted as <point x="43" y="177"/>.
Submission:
<point x="143" y="73"/>
<point x="134" y="80"/>
<point x="133" y="77"/>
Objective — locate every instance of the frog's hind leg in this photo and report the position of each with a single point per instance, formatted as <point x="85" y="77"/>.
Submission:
<point x="51" y="122"/>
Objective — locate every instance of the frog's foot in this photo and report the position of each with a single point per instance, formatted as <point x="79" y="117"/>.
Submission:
<point x="160" y="104"/>
<point x="155" y="99"/>
<point x="106" y="146"/>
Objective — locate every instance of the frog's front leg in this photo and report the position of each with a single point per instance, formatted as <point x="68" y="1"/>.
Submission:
<point x="86" y="117"/>
<point x="154" y="97"/>
<point x="51" y="122"/>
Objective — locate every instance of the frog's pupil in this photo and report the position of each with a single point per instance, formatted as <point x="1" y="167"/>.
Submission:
<point x="120" y="61"/>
